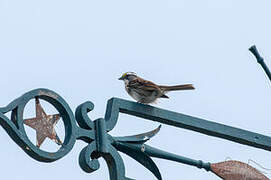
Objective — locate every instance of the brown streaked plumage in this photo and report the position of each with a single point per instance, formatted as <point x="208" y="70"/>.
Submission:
<point x="147" y="92"/>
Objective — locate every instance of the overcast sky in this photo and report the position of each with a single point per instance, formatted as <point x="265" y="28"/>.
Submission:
<point x="79" y="49"/>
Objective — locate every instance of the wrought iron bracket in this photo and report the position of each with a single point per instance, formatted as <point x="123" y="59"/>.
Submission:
<point x="78" y="126"/>
<point x="210" y="128"/>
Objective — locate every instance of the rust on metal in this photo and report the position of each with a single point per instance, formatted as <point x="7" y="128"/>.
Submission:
<point x="44" y="125"/>
<point x="50" y="94"/>
<point x="236" y="170"/>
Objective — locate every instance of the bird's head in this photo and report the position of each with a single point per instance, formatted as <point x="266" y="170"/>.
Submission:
<point x="128" y="76"/>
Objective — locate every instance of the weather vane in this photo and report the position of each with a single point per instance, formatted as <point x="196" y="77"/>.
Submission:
<point x="100" y="144"/>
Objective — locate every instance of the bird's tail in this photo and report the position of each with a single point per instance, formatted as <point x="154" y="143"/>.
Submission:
<point x="178" y="87"/>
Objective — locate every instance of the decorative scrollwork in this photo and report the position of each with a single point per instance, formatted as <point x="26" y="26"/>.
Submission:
<point x="100" y="144"/>
<point x="103" y="145"/>
<point x="16" y="130"/>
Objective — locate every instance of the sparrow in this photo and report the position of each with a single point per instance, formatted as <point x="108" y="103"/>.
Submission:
<point x="147" y="92"/>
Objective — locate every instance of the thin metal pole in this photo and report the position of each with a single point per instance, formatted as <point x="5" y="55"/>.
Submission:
<point x="260" y="60"/>
<point x="157" y="153"/>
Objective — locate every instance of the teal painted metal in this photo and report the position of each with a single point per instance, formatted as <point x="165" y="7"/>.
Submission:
<point x="260" y="60"/>
<point x="115" y="106"/>
<point x="16" y="131"/>
<point x="101" y="144"/>
<point x="157" y="153"/>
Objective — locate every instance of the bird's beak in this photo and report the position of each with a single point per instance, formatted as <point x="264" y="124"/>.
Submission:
<point x="121" y="78"/>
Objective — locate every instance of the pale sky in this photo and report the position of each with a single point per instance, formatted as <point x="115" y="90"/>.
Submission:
<point x="79" y="49"/>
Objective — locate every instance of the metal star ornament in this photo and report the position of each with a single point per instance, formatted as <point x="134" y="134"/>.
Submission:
<point x="44" y="125"/>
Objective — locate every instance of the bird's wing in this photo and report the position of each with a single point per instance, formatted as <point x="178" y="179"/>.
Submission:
<point x="140" y="83"/>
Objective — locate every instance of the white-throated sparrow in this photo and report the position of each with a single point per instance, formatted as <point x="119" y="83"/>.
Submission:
<point x="147" y="92"/>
